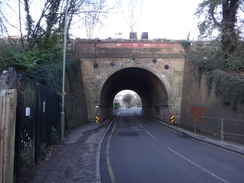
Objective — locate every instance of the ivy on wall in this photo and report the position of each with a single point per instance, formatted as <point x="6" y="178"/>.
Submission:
<point x="224" y="75"/>
<point x="228" y="86"/>
<point x="50" y="74"/>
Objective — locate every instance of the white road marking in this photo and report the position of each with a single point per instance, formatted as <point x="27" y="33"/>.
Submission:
<point x="135" y="128"/>
<point x="140" y="125"/>
<point x="192" y="162"/>
<point x="151" y="135"/>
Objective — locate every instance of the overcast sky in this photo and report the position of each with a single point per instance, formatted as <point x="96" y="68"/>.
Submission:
<point x="171" y="19"/>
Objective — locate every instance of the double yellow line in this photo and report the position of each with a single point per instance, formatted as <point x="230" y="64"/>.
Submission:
<point x="110" y="170"/>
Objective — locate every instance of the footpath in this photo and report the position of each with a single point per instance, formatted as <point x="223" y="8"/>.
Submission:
<point x="230" y="146"/>
<point x="78" y="159"/>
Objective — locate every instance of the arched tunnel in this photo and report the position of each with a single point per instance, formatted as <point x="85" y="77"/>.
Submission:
<point x="147" y="85"/>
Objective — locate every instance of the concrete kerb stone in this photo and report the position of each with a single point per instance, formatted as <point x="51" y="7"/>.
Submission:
<point x="77" y="133"/>
<point x="236" y="148"/>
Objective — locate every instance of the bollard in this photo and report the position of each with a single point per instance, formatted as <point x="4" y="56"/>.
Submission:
<point x="172" y="118"/>
<point x="97" y="119"/>
<point x="195" y="126"/>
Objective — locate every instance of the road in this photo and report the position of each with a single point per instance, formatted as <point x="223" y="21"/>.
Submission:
<point x="138" y="150"/>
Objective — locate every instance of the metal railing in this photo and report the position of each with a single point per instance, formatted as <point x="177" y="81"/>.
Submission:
<point x="37" y="125"/>
<point x="222" y="128"/>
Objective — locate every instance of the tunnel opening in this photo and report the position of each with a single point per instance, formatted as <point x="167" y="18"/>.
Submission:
<point x="146" y="84"/>
<point x="126" y="99"/>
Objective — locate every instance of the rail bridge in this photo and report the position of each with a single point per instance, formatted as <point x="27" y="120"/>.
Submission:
<point x="153" y="69"/>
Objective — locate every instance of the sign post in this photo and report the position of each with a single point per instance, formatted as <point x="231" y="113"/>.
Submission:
<point x="63" y="80"/>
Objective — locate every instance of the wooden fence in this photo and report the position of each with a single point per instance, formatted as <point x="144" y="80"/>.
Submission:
<point x="8" y="102"/>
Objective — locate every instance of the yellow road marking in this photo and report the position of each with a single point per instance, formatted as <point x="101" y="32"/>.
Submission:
<point x="110" y="169"/>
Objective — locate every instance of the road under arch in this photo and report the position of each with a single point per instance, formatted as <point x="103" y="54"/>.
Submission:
<point x="153" y="69"/>
<point x="147" y="85"/>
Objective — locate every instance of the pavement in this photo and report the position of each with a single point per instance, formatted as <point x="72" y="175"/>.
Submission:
<point x="88" y="139"/>
<point x="75" y="161"/>
<point x="230" y="146"/>
<point x="98" y="138"/>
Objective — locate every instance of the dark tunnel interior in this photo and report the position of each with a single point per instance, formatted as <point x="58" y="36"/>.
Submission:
<point x="146" y="84"/>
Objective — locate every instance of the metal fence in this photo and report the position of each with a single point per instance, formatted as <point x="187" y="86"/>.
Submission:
<point x="224" y="129"/>
<point x="37" y="124"/>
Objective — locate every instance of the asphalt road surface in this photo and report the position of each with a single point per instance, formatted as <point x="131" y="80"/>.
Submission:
<point x="138" y="150"/>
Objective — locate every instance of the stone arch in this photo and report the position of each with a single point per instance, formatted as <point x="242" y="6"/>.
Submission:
<point x="102" y="61"/>
<point x="146" y="84"/>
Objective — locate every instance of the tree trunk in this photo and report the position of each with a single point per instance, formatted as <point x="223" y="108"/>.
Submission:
<point x="229" y="35"/>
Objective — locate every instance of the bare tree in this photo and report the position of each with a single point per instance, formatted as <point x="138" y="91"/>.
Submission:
<point x="131" y="10"/>
<point x="3" y="28"/>
<point x="222" y="15"/>
<point x="127" y="98"/>
<point x="3" y="18"/>
<point x="50" y="17"/>
<point x="136" y="101"/>
<point x="92" y="15"/>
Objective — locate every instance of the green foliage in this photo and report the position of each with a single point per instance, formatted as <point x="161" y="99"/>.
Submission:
<point x="50" y="75"/>
<point x="186" y="45"/>
<point x="209" y="10"/>
<point x="47" y="50"/>
<point x="229" y="87"/>
<point x="56" y="136"/>
<point x="116" y="106"/>
<point x="19" y="60"/>
<point x="44" y="64"/>
<point x="43" y="151"/>
<point x="127" y="98"/>
<point x="209" y="56"/>
<point x="221" y="15"/>
<point x="235" y="61"/>
<point x="49" y="47"/>
<point x="27" y="157"/>
<point x="221" y="71"/>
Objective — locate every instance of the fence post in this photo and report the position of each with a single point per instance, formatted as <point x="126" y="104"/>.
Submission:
<point x="179" y="119"/>
<point x="222" y="129"/>
<point x="7" y="129"/>
<point x="195" y="127"/>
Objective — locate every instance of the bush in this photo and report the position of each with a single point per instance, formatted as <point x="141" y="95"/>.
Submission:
<point x="221" y="71"/>
<point x="46" y="51"/>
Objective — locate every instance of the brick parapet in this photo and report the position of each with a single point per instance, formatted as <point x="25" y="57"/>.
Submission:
<point x="128" y="49"/>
